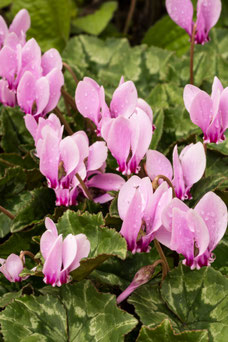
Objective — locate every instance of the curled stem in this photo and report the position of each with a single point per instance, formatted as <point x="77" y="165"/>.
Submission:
<point x="129" y="16"/>
<point x="155" y="183"/>
<point x="162" y="256"/>
<point x="84" y="187"/>
<point x="30" y="254"/>
<point x="63" y="120"/>
<point x="192" y="54"/>
<point x="6" y="212"/>
<point x="68" y="98"/>
<point x="68" y="68"/>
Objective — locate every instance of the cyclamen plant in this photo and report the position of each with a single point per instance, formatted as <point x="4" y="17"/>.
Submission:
<point x="147" y="190"/>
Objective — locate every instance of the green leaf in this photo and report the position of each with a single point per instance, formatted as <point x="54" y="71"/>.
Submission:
<point x="73" y="313"/>
<point x="221" y="147"/>
<point x="95" y="23"/>
<point x="166" y="34"/>
<point x="5" y="3"/>
<point x="13" y="205"/>
<point x="191" y="300"/>
<point x="164" y="333"/>
<point x="221" y="260"/>
<point x="104" y="242"/>
<point x="21" y="241"/>
<point x="13" y="182"/>
<point x="50" y="21"/>
<point x="42" y="203"/>
<point x="14" y="132"/>
<point x="9" y="297"/>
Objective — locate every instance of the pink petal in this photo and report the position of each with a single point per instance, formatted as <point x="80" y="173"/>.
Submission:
<point x="26" y="92"/>
<point x="82" y="142"/>
<point x="14" y="266"/>
<point x="87" y="99"/>
<point x="124" y="100"/>
<point x="3" y="30"/>
<point x="83" y="249"/>
<point x="210" y="11"/>
<point x="21" y="22"/>
<point x="69" y="154"/>
<point x="7" y="96"/>
<point x="146" y="108"/>
<point x="31" y="125"/>
<point x="164" y="200"/>
<point x="190" y="91"/>
<point x="182" y="240"/>
<point x="223" y="109"/>
<point x="163" y="236"/>
<point x="167" y="214"/>
<point x="197" y="225"/>
<point x="8" y="64"/>
<point x="56" y="81"/>
<point x="31" y="53"/>
<point x="214" y="213"/>
<point x="106" y="182"/>
<point x="69" y="251"/>
<point x="51" y="59"/>
<point x="178" y="179"/>
<point x="193" y="163"/>
<point x="181" y="12"/>
<point x="126" y="195"/>
<point x="118" y="141"/>
<point x="158" y="164"/>
<point x="132" y="222"/>
<point x="98" y="153"/>
<point x="201" y="110"/>
<point x="142" y="129"/>
<point x="53" y="263"/>
<point x="50" y="225"/>
<point x="103" y="198"/>
<point x="217" y="88"/>
<point x="42" y="94"/>
<point x="47" y="241"/>
<point x="49" y="158"/>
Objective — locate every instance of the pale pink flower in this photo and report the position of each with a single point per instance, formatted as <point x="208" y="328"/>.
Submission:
<point x="208" y="13"/>
<point x="210" y="113"/>
<point x="194" y="233"/>
<point x="188" y="168"/>
<point x="61" y="256"/>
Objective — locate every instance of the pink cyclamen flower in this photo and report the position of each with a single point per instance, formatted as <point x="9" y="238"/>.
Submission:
<point x="194" y="233"/>
<point x="18" y="28"/>
<point x="210" y="113"/>
<point x="61" y="159"/>
<point x="140" y="209"/>
<point x="12" y="267"/>
<point x="188" y="168"/>
<point x="61" y="256"/>
<point x="208" y="13"/>
<point x="28" y="79"/>
<point x="126" y="126"/>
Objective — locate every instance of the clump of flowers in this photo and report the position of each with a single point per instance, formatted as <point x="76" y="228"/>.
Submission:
<point x="28" y="79"/>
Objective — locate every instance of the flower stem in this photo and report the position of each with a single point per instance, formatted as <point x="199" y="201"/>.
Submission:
<point x="7" y="213"/>
<point x="155" y="183"/>
<point x="192" y="54"/>
<point x="30" y="254"/>
<point x="84" y="187"/>
<point x="129" y="16"/>
<point x="68" y="68"/>
<point x="162" y="255"/>
<point x="68" y="98"/>
<point x="63" y="120"/>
